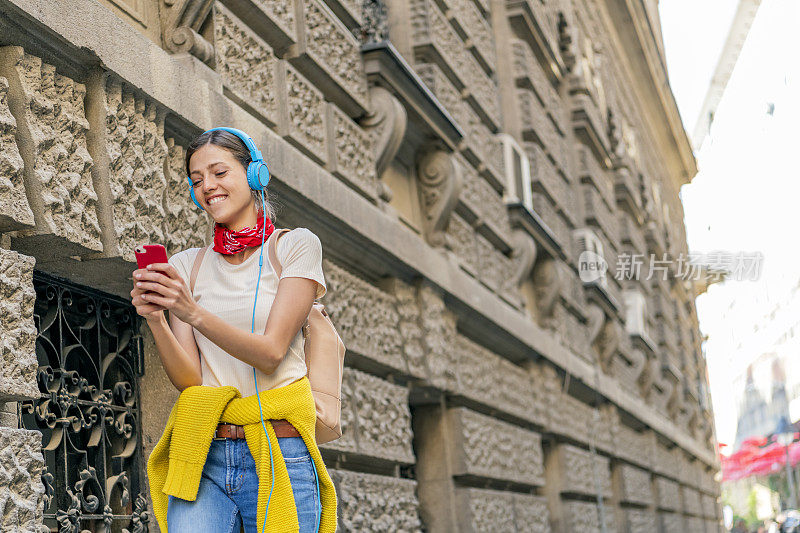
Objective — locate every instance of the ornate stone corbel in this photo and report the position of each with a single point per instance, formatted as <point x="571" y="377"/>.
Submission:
<point x="648" y="377"/>
<point x="387" y="122"/>
<point x="638" y="361"/>
<point x="608" y="344"/>
<point x="522" y="259"/>
<point x="181" y="29"/>
<point x="439" y="179"/>
<point x="596" y="319"/>
<point x="547" y="281"/>
<point x="604" y="335"/>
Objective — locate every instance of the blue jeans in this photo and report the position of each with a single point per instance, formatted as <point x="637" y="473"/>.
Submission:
<point x="228" y="493"/>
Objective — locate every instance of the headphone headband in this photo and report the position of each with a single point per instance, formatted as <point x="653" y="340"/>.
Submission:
<point x="255" y="153"/>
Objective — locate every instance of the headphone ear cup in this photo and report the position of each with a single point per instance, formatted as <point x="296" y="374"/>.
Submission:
<point x="257" y="175"/>
<point x="263" y="174"/>
<point x="252" y="176"/>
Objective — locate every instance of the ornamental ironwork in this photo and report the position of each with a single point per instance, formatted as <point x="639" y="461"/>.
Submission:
<point x="90" y="362"/>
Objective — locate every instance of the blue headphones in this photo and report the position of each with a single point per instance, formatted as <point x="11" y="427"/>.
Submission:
<point x="257" y="171"/>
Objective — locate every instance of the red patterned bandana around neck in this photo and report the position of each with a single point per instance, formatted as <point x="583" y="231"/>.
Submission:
<point x="230" y="242"/>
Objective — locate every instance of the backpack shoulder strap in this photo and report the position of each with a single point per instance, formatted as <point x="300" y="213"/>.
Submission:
<point x="273" y="254"/>
<point x="196" y="266"/>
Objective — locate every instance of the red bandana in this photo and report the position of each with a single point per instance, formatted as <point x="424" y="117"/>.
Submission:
<point x="231" y="242"/>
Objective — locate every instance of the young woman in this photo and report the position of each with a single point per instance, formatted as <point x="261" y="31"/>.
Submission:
<point x="208" y="339"/>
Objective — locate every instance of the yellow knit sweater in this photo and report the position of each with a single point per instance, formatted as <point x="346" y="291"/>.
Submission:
<point x="175" y="466"/>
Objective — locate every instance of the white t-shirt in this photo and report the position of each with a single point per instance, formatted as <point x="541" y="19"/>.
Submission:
<point x="228" y="291"/>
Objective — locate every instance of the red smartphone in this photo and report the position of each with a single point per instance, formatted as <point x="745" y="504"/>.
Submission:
<point x="150" y="253"/>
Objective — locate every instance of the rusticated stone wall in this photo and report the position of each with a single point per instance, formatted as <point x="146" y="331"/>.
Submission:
<point x="487" y="387"/>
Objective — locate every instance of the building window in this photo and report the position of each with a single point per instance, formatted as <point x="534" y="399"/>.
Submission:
<point x="90" y="361"/>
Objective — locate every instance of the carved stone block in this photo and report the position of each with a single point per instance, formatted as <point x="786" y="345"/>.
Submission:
<point x="549" y="181"/>
<point x="571" y="417"/>
<point x="708" y="506"/>
<point x="671" y="522"/>
<point x="694" y="524"/>
<point x="15" y="213"/>
<point x="383" y="419"/>
<point x="247" y="65"/>
<point x="329" y="54"/>
<point x="489" y="448"/>
<point x="412" y="318"/>
<point x="436" y="41"/>
<point x="640" y="521"/>
<point x="303" y="118"/>
<point x="351" y="156"/>
<point x="496" y="382"/>
<point x="51" y="129"/>
<point x="282" y="14"/>
<point x="634" y="446"/>
<point x="373" y="335"/>
<point x="21" y="465"/>
<point x="578" y="469"/>
<point x="368" y="502"/>
<point x="667" y="494"/>
<point x="18" y="364"/>
<point x="136" y="152"/>
<point x="634" y="485"/>
<point x="500" y="511"/>
<point x="585" y="517"/>
<point x="466" y="16"/>
<point x="691" y="501"/>
<point x="485" y="201"/>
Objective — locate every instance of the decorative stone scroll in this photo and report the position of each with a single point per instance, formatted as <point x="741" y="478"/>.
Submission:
<point x="181" y="24"/>
<point x="386" y="123"/>
<point x="439" y="179"/>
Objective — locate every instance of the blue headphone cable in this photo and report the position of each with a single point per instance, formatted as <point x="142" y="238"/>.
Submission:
<point x="258" y="398"/>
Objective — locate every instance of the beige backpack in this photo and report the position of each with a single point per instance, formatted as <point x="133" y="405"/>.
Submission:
<point x="324" y="352"/>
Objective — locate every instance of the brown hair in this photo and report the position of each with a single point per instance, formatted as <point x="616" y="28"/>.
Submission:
<point x="233" y="144"/>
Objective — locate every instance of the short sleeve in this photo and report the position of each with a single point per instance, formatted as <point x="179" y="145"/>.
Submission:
<point x="182" y="261"/>
<point x="300" y="254"/>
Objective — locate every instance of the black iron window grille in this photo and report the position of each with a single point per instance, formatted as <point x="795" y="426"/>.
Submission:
<point x="90" y="361"/>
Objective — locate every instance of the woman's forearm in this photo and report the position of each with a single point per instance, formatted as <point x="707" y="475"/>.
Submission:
<point x="181" y="370"/>
<point x="255" y="349"/>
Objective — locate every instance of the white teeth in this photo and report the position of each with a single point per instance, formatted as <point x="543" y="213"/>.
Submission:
<point x="216" y="199"/>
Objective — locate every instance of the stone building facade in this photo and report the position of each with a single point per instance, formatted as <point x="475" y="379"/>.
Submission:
<point x="455" y="157"/>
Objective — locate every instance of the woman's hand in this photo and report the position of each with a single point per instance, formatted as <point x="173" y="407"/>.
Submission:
<point x="169" y="291"/>
<point x="146" y="309"/>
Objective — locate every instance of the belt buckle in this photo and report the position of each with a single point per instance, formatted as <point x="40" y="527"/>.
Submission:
<point x="215" y="436"/>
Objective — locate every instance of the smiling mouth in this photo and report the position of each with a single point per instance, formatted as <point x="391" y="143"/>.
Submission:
<point x="216" y="200"/>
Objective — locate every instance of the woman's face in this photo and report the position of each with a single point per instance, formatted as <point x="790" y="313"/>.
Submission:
<point x="220" y="186"/>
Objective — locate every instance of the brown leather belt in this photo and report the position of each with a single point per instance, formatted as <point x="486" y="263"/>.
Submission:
<point x="283" y="428"/>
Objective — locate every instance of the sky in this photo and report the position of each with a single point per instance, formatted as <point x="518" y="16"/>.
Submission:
<point x="744" y="197"/>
